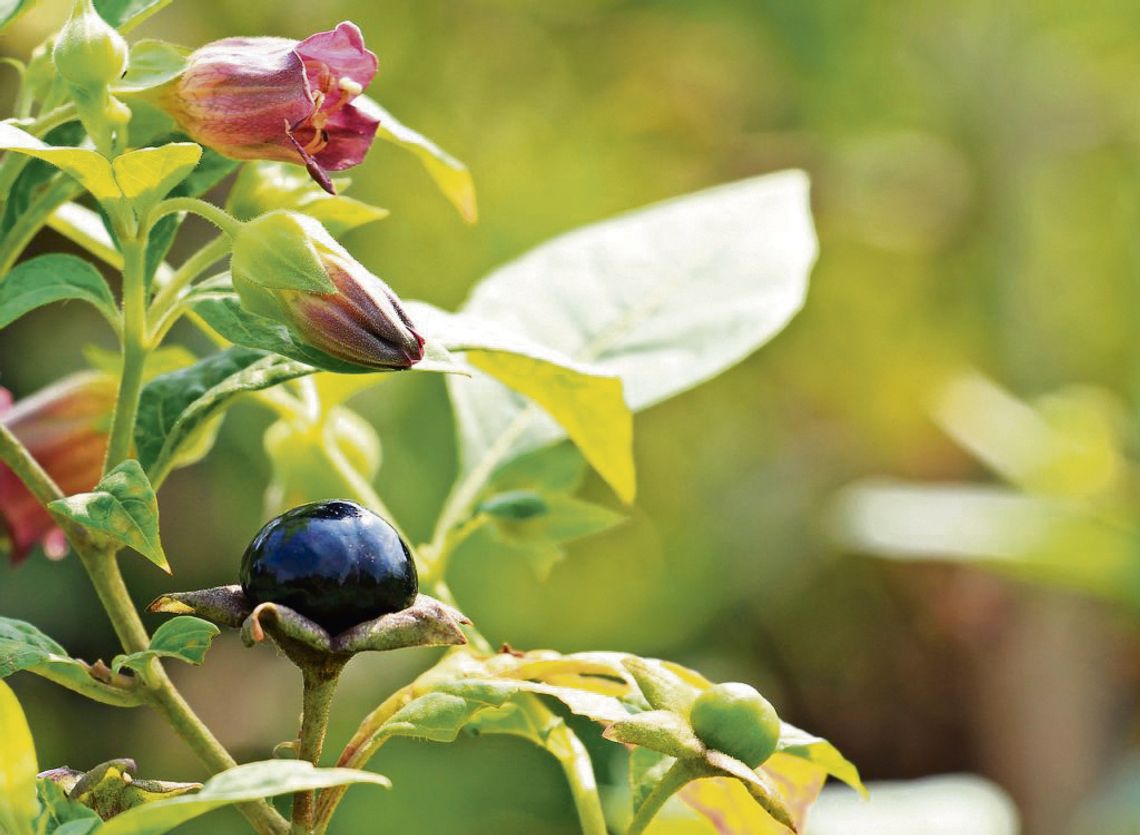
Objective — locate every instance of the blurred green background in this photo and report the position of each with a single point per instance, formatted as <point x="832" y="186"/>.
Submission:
<point x="977" y="195"/>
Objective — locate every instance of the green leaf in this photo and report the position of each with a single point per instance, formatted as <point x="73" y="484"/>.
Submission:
<point x="36" y="174"/>
<point x="134" y="12"/>
<point x="540" y="536"/>
<point x="23" y="647"/>
<point x="185" y="638"/>
<point x="52" y="278"/>
<point x="11" y="9"/>
<point x="90" y="168"/>
<point x="121" y="509"/>
<point x="662" y="687"/>
<point x="146" y="176"/>
<point x="264" y="186"/>
<point x="238" y="785"/>
<point x="153" y="63"/>
<point x="646" y="769"/>
<point x="176" y="407"/>
<point x="664" y="298"/>
<point x="57" y="809"/>
<point x="437" y="717"/>
<point x="223" y="312"/>
<point x="557" y="469"/>
<point x="820" y="752"/>
<point x="451" y="175"/>
<point x="18" y="803"/>
<point x="659" y="730"/>
<point x="515" y="505"/>
<point x="586" y="402"/>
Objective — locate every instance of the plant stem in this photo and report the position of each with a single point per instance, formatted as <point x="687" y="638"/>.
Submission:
<point x="572" y="755"/>
<point x="675" y="778"/>
<point x="103" y="569"/>
<point x="16" y="456"/>
<point x="135" y="351"/>
<point x="319" y="686"/>
<point x="229" y="224"/>
<point x="194" y="266"/>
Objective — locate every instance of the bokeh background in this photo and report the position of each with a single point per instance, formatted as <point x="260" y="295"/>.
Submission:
<point x="976" y="186"/>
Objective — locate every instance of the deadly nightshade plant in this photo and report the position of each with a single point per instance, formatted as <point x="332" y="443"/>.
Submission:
<point x="546" y="363"/>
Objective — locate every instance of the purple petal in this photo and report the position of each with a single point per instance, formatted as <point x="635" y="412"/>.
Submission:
<point x="330" y="56"/>
<point x="351" y="133"/>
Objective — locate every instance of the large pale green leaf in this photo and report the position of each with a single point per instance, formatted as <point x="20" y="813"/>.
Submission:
<point x="121" y="509"/>
<point x="52" y="278"/>
<point x="11" y="9"/>
<point x="451" y="175"/>
<point x="663" y="298"/>
<point x="586" y="402"/>
<point x="1030" y="537"/>
<point x="146" y="176"/>
<point x="90" y="168"/>
<point x="176" y="407"/>
<point x="185" y="637"/>
<point x="18" y="804"/>
<point x="238" y="785"/>
<point x="23" y="647"/>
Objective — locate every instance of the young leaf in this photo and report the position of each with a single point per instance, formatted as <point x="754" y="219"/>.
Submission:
<point x="122" y="509"/>
<point x="664" y="298"/>
<point x="185" y="638"/>
<point x="18" y="804"/>
<point x="659" y="730"/>
<point x="146" y="176"/>
<point x="153" y="63"/>
<point x="52" y="278"/>
<point x="90" y="168"/>
<point x="23" y="647"/>
<point x="121" y="12"/>
<point x="662" y="687"/>
<point x="238" y="785"/>
<point x="175" y="407"/>
<point x="451" y="175"/>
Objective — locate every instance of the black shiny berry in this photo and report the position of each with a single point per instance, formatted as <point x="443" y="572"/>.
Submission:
<point x="334" y="562"/>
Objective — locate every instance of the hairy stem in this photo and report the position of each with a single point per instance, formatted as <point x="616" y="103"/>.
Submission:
<point x="215" y="215"/>
<point x="135" y="351"/>
<point x="572" y="755"/>
<point x="319" y="687"/>
<point x="167" y="297"/>
<point x="675" y="778"/>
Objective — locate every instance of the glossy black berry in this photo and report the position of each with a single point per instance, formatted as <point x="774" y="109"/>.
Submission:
<point x="335" y="562"/>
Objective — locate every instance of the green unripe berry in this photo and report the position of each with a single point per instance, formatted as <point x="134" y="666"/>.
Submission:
<point x="89" y="53"/>
<point x="736" y="720"/>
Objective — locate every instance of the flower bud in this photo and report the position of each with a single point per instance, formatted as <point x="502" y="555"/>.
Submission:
<point x="65" y="429"/>
<point x="89" y="53"/>
<point x="287" y="267"/>
<point x="277" y="99"/>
